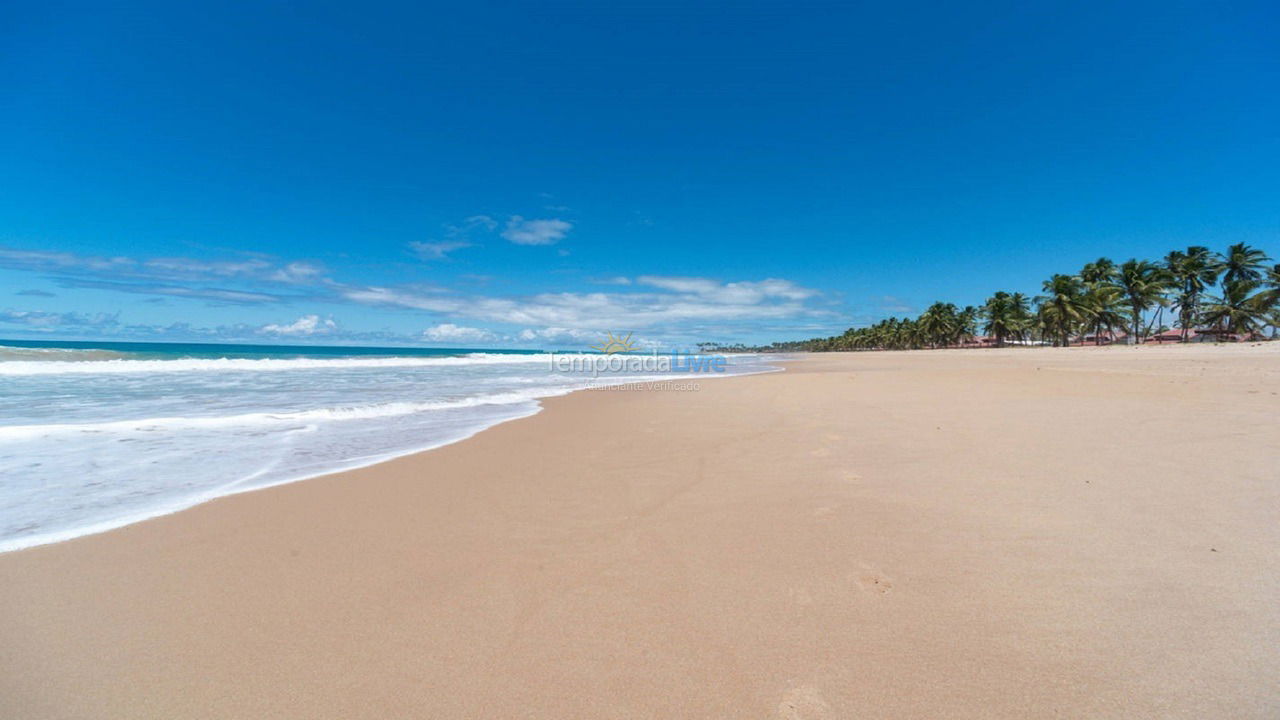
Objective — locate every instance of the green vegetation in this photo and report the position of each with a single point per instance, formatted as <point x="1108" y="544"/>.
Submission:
<point x="1103" y="303"/>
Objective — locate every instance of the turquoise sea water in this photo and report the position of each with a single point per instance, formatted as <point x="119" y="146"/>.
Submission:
<point x="12" y="349"/>
<point x="95" y="435"/>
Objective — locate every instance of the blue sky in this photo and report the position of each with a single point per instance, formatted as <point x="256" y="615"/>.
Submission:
<point x="535" y="174"/>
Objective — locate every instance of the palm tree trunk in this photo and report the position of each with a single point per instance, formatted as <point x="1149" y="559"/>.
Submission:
<point x="1153" y="325"/>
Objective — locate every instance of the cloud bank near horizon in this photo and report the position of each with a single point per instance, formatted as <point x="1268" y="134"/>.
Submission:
<point x="673" y="308"/>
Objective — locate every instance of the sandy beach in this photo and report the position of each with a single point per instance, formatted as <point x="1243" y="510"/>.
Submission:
<point x="1016" y="533"/>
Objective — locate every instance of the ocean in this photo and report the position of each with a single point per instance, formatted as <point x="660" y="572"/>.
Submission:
<point x="97" y="435"/>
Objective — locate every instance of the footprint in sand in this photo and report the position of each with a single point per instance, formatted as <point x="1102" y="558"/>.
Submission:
<point x="803" y="703"/>
<point x="872" y="581"/>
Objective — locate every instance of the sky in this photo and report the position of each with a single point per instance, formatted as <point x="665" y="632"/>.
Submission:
<point x="538" y="174"/>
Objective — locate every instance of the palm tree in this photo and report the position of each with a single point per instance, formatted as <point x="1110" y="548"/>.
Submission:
<point x="1002" y="320"/>
<point x="1143" y="284"/>
<point x="1105" y="302"/>
<point x="1240" y="310"/>
<point x="937" y="324"/>
<point x="1020" y="313"/>
<point x="1272" y="299"/>
<point x="966" y="324"/>
<point x="1242" y="262"/>
<point x="1102" y="270"/>
<point x="1193" y="271"/>
<point x="1099" y="279"/>
<point x="1062" y="307"/>
<point x="1101" y="296"/>
<point x="1242" y="269"/>
<point x="908" y="335"/>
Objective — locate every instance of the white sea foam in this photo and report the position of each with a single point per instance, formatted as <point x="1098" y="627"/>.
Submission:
<point x="14" y="433"/>
<point x="88" y="445"/>
<point x="75" y="366"/>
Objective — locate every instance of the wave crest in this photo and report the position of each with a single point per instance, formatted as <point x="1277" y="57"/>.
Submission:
<point x="284" y="419"/>
<point x="81" y="366"/>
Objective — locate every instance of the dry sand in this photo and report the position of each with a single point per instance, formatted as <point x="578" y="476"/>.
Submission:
<point x="957" y="534"/>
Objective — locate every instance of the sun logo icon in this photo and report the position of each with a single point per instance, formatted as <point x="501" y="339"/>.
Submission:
<point x="616" y="345"/>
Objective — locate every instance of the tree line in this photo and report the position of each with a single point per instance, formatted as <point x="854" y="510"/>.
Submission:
<point x="1228" y="296"/>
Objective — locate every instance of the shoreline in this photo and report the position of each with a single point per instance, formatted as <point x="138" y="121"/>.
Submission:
<point x="843" y="539"/>
<point x="354" y="464"/>
<point x="54" y="538"/>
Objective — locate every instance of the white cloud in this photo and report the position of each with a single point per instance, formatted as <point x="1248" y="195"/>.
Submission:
<point x="437" y="250"/>
<point x="746" y="292"/>
<point x="217" y="295"/>
<point x="43" y="261"/>
<point x="297" y="272"/>
<point x="682" y="303"/>
<point x="692" y="285"/>
<point x="305" y="325"/>
<point x="457" y="237"/>
<point x="162" y="268"/>
<point x="536" y="232"/>
<point x="172" y="276"/>
<point x="448" y="332"/>
<point x="50" y="320"/>
<point x="558" y="334"/>
<point x="482" y="222"/>
<point x="891" y="304"/>
<point x="187" y="267"/>
<point x="394" y="297"/>
<point x="661" y="306"/>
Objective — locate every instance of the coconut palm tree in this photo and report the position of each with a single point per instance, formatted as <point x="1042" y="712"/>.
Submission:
<point x="1106" y="304"/>
<point x="1062" y="307"/>
<point x="913" y="336"/>
<point x="1143" y="284"/>
<point x="1242" y="262"/>
<point x="1240" y="310"/>
<point x="1099" y="279"/>
<point x="1020" y="314"/>
<point x="966" y="324"/>
<point x="1193" y="271"/>
<point x="1102" y="296"/>
<point x="937" y="324"/>
<point x="1102" y="270"/>
<point x="1173" y="265"/>
<point x="1272" y="299"/>
<point x="1002" y="318"/>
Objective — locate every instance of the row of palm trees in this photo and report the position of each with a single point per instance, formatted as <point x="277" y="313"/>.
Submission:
<point x="1228" y="296"/>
